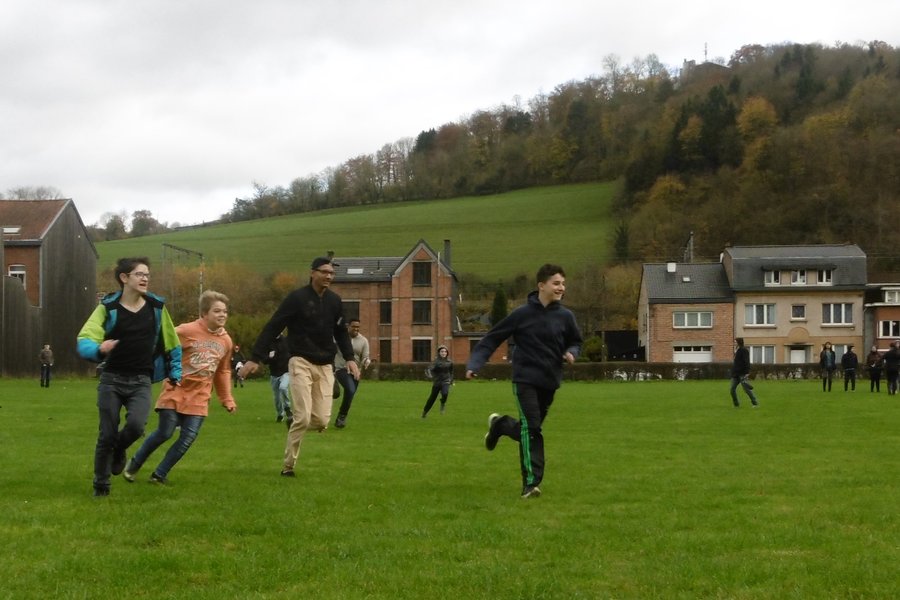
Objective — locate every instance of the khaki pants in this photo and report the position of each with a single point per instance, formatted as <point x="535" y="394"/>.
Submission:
<point x="311" y="389"/>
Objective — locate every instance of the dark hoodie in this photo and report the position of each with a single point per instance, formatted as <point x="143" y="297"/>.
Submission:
<point x="541" y="334"/>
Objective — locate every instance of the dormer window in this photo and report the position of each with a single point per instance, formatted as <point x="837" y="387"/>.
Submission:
<point x="824" y="276"/>
<point x="892" y="296"/>
<point x="798" y="277"/>
<point x="772" y="277"/>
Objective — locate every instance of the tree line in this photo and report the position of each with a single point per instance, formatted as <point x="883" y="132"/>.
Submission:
<point x="780" y="144"/>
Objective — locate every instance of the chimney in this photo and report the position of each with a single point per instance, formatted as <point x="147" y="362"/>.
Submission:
<point x="447" y="252"/>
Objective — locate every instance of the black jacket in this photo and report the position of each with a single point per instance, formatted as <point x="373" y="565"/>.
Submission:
<point x="542" y="335"/>
<point x="849" y="361"/>
<point x="741" y="365"/>
<point x="313" y="322"/>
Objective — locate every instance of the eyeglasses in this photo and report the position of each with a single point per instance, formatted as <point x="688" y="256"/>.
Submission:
<point x="141" y="275"/>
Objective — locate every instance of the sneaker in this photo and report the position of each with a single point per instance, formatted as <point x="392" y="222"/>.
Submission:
<point x="279" y="418"/>
<point x="129" y="473"/>
<point x="289" y="421"/>
<point x="491" y="438"/>
<point x="154" y="478"/>
<point x="287" y="473"/>
<point x="340" y="422"/>
<point x="531" y="491"/>
<point x="118" y="462"/>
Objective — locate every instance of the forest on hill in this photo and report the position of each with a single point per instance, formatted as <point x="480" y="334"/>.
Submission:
<point x="783" y="144"/>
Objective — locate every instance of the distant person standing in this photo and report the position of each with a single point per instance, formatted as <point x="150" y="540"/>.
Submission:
<point x="740" y="374"/>
<point x="46" y="358"/>
<point x="546" y="336"/>
<point x="132" y="332"/>
<point x="875" y="362"/>
<point x="441" y="373"/>
<point x="892" y="367"/>
<point x="314" y="317"/>
<point x="237" y="361"/>
<point x="849" y="364"/>
<point x="205" y="364"/>
<point x="344" y="378"/>
<point x="827" y="364"/>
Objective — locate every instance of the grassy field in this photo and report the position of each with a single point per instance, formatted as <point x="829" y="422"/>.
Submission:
<point x="652" y="490"/>
<point x="493" y="236"/>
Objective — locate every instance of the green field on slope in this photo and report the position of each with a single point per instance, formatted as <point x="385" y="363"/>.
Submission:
<point x="495" y="237"/>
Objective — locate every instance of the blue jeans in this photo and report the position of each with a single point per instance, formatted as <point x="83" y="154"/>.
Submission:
<point x="168" y="421"/>
<point x="114" y="392"/>
<point x="735" y="381"/>
<point x="350" y="386"/>
<point x="281" y="394"/>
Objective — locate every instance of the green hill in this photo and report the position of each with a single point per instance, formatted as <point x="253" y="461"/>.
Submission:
<point x="494" y="237"/>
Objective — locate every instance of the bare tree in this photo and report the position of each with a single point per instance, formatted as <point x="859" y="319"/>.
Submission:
<point x="28" y="192"/>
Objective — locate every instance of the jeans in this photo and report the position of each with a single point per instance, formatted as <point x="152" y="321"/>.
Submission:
<point x="350" y="386"/>
<point x="114" y="392"/>
<point x="45" y="375"/>
<point x="735" y="381"/>
<point x="168" y="421"/>
<point x="281" y="394"/>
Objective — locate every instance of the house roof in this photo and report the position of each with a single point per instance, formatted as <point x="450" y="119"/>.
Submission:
<point x="380" y="268"/>
<point x="33" y="218"/>
<point x="847" y="261"/>
<point x="701" y="283"/>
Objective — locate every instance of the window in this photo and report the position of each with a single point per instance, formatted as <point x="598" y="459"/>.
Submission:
<point x="773" y="277"/>
<point x="839" y="350"/>
<point x="837" y="314"/>
<point x="892" y="296"/>
<point x="798" y="277"/>
<point x="421" y="273"/>
<point x="824" y="277"/>
<point x="889" y="329"/>
<point x="385" y="312"/>
<point x="384" y="351"/>
<point x="691" y="320"/>
<point x="759" y="314"/>
<point x="694" y="349"/>
<point x="798" y="312"/>
<point x="421" y="350"/>
<point x="351" y="310"/>
<point x="421" y="314"/>
<point x="762" y="354"/>
<point x="17" y="271"/>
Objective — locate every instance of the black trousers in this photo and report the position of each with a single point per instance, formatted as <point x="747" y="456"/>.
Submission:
<point x="533" y="403"/>
<point x="849" y="377"/>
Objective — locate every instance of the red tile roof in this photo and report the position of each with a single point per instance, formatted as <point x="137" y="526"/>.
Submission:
<point x="34" y="217"/>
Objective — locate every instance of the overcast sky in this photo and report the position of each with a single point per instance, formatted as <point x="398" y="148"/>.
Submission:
<point x="177" y="107"/>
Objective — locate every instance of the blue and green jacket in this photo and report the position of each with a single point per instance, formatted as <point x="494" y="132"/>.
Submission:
<point x="167" y="355"/>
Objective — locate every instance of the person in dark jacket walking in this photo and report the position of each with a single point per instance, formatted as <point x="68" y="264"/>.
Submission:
<point x="875" y="362"/>
<point x="46" y="358"/>
<point x="849" y="364"/>
<point x="314" y="317"/>
<point x="892" y="367"/>
<point x="441" y="373"/>
<point x="827" y="363"/>
<point x="740" y="373"/>
<point x="546" y="336"/>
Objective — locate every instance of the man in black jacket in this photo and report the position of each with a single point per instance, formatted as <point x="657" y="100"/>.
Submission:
<point x="849" y="364"/>
<point x="314" y="317"/>
<point x="740" y="372"/>
<point x="546" y="335"/>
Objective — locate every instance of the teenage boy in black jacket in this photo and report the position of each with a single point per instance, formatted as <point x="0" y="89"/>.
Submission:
<point x="740" y="372"/>
<point x="545" y="334"/>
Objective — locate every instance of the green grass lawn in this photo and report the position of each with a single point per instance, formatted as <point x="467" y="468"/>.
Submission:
<point x="652" y="490"/>
<point x="496" y="237"/>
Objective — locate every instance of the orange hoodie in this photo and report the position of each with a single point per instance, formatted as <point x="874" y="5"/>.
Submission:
<point x="205" y="363"/>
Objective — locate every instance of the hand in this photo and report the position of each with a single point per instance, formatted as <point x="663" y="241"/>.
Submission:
<point x="248" y="368"/>
<point x="231" y="409"/>
<point x="107" y="346"/>
<point x="569" y="358"/>
<point x="353" y="369"/>
<point x="470" y="375"/>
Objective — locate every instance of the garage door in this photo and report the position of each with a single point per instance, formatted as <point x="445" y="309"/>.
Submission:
<point x="692" y="354"/>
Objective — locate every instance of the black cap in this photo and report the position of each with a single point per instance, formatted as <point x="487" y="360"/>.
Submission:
<point x="322" y="260"/>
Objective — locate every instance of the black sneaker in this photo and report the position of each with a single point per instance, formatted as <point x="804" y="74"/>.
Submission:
<point x="531" y="491"/>
<point x="287" y="473"/>
<point x="491" y="437"/>
<point x="340" y="422"/>
<point x="154" y="478"/>
<point x="118" y="461"/>
<point x="279" y="418"/>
